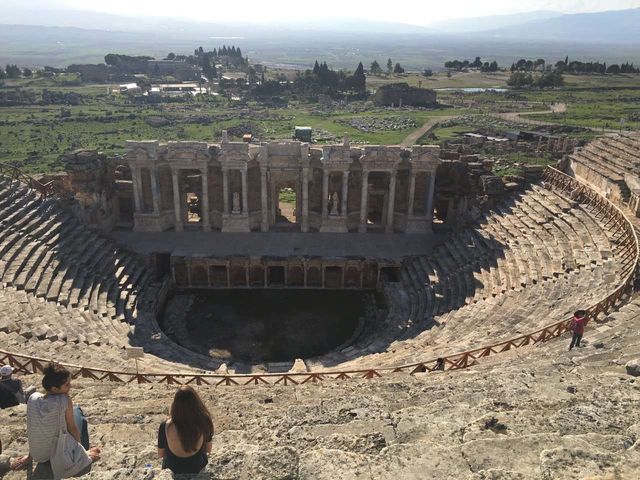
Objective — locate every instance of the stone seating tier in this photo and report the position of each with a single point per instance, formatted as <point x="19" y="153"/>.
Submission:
<point x="543" y="413"/>
<point x="68" y="286"/>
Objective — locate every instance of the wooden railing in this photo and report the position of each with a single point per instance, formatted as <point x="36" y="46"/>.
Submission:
<point x="608" y="214"/>
<point x="15" y="174"/>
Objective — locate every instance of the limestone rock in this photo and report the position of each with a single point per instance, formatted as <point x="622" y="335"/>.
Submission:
<point x="633" y="367"/>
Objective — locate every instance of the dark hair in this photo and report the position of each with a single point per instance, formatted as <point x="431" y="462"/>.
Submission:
<point x="55" y="375"/>
<point x="191" y="418"/>
<point x="580" y="313"/>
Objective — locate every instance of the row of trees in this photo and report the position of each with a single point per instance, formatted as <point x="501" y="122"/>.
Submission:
<point x="575" y="66"/>
<point x="376" y="69"/>
<point x="545" y="80"/>
<point x="13" y="71"/>
<point x="477" y="63"/>
<point x="223" y="51"/>
<point x="596" y="67"/>
<point x="319" y="80"/>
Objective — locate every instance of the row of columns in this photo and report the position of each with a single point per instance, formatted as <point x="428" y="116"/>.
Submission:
<point x="227" y="210"/>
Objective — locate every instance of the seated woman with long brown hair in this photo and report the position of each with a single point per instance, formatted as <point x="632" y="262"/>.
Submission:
<point x="184" y="440"/>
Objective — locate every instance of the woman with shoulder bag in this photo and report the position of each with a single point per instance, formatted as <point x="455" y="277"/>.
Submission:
<point x="56" y="430"/>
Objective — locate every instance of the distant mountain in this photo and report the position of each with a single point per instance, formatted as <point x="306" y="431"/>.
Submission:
<point x="612" y="27"/>
<point x="493" y="22"/>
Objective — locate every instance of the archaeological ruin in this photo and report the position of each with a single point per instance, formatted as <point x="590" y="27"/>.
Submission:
<point x="452" y="353"/>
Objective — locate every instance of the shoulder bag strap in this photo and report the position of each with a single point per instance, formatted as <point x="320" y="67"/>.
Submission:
<point x="64" y="404"/>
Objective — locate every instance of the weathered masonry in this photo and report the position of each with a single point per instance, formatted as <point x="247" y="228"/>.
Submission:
<point x="266" y="272"/>
<point x="236" y="187"/>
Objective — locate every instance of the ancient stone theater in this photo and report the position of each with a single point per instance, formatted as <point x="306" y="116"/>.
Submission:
<point x="381" y="309"/>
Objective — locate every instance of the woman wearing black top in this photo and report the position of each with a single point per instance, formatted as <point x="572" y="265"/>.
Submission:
<point x="185" y="438"/>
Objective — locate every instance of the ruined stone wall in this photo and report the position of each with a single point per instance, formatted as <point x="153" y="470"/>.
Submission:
<point x="397" y="94"/>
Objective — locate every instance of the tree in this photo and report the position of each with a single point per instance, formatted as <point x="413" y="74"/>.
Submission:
<point x="427" y="73"/>
<point x="316" y="68"/>
<point x="200" y="50"/>
<point x="375" y="68"/>
<point x="27" y="72"/>
<point x="398" y="69"/>
<point x="2" y="74"/>
<point x="389" y="66"/>
<point x="520" y="80"/>
<point x="171" y="56"/>
<point x="13" y="71"/>
<point x="477" y="63"/>
<point x="359" y="79"/>
<point x="614" y="68"/>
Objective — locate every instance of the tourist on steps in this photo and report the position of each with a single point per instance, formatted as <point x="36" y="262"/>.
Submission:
<point x="49" y="413"/>
<point x="13" y="385"/>
<point x="577" y="327"/>
<point x="184" y="440"/>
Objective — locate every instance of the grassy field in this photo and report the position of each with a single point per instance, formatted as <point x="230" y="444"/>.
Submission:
<point x="34" y="137"/>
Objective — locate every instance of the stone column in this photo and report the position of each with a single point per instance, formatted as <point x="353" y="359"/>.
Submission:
<point x="204" y="204"/>
<point x="176" y="199"/>
<point x="245" y="194"/>
<point x="264" y="200"/>
<point x="345" y="192"/>
<point x="225" y="191"/>
<point x="363" y="202"/>
<point x="412" y="193"/>
<point x="392" y="203"/>
<point x="325" y="193"/>
<point x="430" y="193"/>
<point x="155" y="190"/>
<point x="137" y="193"/>
<point x="305" y="201"/>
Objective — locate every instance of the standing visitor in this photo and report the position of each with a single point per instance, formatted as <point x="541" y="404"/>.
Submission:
<point x="577" y="327"/>
<point x="184" y="440"/>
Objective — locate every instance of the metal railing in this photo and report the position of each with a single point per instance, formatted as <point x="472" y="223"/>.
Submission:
<point x="15" y="174"/>
<point x="610" y="216"/>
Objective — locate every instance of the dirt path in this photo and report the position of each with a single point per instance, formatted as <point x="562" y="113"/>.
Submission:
<point x="516" y="117"/>
<point x="520" y="116"/>
<point x="413" y="137"/>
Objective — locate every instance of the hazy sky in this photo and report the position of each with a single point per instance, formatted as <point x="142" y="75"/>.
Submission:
<point x="418" y="12"/>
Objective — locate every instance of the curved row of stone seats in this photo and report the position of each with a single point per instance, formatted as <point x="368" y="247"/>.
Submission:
<point x="544" y="413"/>
<point x="486" y="282"/>
<point x="65" y="286"/>
<point x="605" y="161"/>
<point x="48" y="252"/>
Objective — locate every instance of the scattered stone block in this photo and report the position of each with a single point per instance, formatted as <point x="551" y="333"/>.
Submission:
<point x="633" y="367"/>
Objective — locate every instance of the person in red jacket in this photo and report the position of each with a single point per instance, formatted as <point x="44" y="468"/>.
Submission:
<point x="577" y="327"/>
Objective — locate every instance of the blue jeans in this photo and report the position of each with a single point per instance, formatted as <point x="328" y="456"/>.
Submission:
<point x="81" y="423"/>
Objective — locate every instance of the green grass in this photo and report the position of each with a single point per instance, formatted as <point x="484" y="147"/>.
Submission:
<point x="287" y="196"/>
<point x="35" y="136"/>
